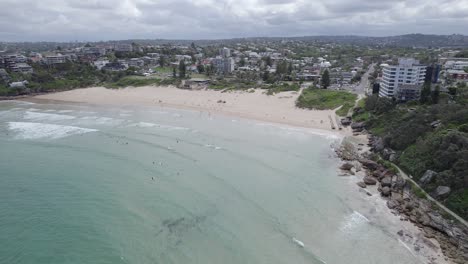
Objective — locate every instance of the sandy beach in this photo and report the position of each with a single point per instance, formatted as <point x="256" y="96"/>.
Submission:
<point x="254" y="104"/>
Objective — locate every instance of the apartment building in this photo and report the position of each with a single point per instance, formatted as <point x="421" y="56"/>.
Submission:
<point x="409" y="75"/>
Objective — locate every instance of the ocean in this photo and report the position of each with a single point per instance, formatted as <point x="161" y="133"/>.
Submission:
<point x="92" y="184"/>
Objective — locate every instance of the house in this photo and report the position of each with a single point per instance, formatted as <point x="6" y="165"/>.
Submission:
<point x="94" y="51"/>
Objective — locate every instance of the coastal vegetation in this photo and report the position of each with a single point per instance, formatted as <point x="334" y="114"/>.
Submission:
<point x="429" y="136"/>
<point x="320" y="99"/>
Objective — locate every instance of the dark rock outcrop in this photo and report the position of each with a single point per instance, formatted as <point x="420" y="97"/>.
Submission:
<point x="386" y="191"/>
<point x="369" y="180"/>
<point x="442" y="192"/>
<point x="347" y="166"/>
<point x="361" y="184"/>
<point x="370" y="164"/>
<point x="386" y="181"/>
<point x="427" y="177"/>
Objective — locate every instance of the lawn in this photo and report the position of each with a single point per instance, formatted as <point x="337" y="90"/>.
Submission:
<point x="322" y="99"/>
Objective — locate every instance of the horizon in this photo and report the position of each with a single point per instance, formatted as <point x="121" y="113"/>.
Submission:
<point x="93" y="21"/>
<point x="233" y="38"/>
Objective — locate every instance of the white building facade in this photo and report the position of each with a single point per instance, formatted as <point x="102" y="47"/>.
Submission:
<point x="408" y="73"/>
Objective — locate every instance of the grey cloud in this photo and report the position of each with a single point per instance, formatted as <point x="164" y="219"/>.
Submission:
<point x="69" y="20"/>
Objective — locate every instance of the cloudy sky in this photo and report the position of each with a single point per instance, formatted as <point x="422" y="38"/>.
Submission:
<point x="82" y="20"/>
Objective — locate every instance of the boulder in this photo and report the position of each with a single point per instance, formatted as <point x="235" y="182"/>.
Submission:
<point x="387" y="153"/>
<point x="392" y="204"/>
<point x="427" y="177"/>
<point x="370" y="164"/>
<point x="377" y="144"/>
<point x="346" y="166"/>
<point x="442" y="191"/>
<point x="369" y="180"/>
<point x="386" y="191"/>
<point x="386" y="182"/>
<point x="361" y="184"/>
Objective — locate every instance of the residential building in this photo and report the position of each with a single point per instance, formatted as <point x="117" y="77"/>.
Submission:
<point x="57" y="59"/>
<point x="223" y="65"/>
<point x="123" y="47"/>
<point x="432" y="73"/>
<point x="22" y="68"/>
<point x="408" y="72"/>
<point x="99" y="64"/>
<point x="458" y="75"/>
<point x="456" y="65"/>
<point x="225" y="52"/>
<point x="94" y="50"/>
<point x="115" y="66"/>
<point x="135" y="62"/>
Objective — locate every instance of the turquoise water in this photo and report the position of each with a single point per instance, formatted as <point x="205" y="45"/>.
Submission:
<point x="89" y="184"/>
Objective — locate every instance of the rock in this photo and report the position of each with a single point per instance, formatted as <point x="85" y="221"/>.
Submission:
<point x="370" y="164"/>
<point x="399" y="183"/>
<point x="361" y="184"/>
<point x="377" y="144"/>
<point x="357" y="126"/>
<point x="369" y="180"/>
<point x="427" y="177"/>
<point x="386" y="182"/>
<point x="392" y="204"/>
<point x="346" y="121"/>
<point x="386" y="153"/>
<point x="400" y="233"/>
<point x="386" y="191"/>
<point x="346" y="166"/>
<point x="442" y="191"/>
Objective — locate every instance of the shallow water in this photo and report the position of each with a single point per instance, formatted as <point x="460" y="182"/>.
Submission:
<point x="88" y="184"/>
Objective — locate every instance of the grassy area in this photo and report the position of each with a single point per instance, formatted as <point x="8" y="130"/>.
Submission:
<point x="163" y="69"/>
<point x="326" y="99"/>
<point x="135" y="81"/>
<point x="277" y="88"/>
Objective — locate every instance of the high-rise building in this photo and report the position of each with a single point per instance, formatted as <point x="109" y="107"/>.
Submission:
<point x="396" y="79"/>
<point x="225" y="52"/>
<point x="432" y="73"/>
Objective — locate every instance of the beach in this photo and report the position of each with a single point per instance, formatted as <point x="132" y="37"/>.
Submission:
<point x="252" y="104"/>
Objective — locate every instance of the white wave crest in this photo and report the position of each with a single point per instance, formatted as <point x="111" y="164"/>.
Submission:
<point x="46" y="116"/>
<point x="29" y="130"/>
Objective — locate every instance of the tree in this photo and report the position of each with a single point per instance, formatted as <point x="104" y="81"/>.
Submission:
<point x="435" y="95"/>
<point x="325" y="79"/>
<point x="425" y="93"/>
<point x="242" y="62"/>
<point x="182" y="69"/>
<point x="161" y="61"/>
<point x="174" y="72"/>
<point x="87" y="45"/>
<point x="200" y="68"/>
<point x="268" y="61"/>
<point x="193" y="45"/>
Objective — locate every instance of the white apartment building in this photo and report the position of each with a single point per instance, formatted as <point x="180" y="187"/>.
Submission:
<point x="408" y="74"/>
<point x="55" y="59"/>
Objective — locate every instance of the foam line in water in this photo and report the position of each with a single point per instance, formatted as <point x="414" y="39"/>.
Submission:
<point x="29" y="130"/>
<point x="46" y="116"/>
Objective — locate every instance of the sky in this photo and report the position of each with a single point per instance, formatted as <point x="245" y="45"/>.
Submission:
<point x="94" y="20"/>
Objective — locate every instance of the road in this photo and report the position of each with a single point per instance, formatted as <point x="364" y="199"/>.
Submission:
<point x="361" y="88"/>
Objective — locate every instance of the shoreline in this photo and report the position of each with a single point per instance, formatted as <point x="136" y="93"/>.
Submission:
<point x="431" y="236"/>
<point x="279" y="108"/>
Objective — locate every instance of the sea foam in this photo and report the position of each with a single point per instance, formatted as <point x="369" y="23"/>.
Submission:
<point x="29" y="130"/>
<point x="46" y="116"/>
